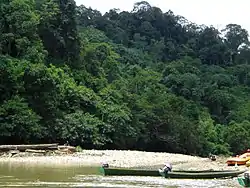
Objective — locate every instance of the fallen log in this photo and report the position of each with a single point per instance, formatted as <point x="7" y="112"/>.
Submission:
<point x="13" y="152"/>
<point x="35" y="151"/>
<point x="24" y="147"/>
<point x="65" y="148"/>
<point x="64" y="151"/>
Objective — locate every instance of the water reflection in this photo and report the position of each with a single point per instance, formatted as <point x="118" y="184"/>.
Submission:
<point x="78" y="176"/>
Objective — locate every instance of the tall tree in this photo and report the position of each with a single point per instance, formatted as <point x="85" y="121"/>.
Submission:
<point x="58" y="29"/>
<point x="18" y="37"/>
<point x="235" y="36"/>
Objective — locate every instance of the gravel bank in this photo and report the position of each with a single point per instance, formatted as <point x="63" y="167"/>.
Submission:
<point x="121" y="158"/>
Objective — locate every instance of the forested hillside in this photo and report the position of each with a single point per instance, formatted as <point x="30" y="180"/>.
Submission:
<point x="145" y="79"/>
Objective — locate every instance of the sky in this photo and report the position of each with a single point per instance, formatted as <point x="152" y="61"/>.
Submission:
<point x="218" y="13"/>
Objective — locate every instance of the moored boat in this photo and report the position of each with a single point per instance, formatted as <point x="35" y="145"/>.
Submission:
<point x="245" y="180"/>
<point x="202" y="175"/>
<point x="128" y="172"/>
<point x="239" y="160"/>
<point x="248" y="163"/>
<point x="180" y="174"/>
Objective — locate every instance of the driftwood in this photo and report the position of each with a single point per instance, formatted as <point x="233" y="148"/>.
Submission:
<point x="25" y="147"/>
<point x="13" y="152"/>
<point x="70" y="149"/>
<point x="35" y="151"/>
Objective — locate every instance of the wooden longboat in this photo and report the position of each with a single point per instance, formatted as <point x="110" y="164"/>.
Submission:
<point x="177" y="174"/>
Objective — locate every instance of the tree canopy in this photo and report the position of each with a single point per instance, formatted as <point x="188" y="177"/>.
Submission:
<point x="142" y="79"/>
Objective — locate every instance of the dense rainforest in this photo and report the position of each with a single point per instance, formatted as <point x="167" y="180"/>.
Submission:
<point x="145" y="79"/>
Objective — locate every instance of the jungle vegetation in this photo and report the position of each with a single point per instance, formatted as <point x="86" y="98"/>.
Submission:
<point x="144" y="79"/>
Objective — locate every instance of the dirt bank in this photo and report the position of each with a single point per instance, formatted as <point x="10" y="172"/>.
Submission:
<point x="120" y="158"/>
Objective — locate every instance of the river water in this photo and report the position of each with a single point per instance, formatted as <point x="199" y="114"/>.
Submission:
<point x="75" y="176"/>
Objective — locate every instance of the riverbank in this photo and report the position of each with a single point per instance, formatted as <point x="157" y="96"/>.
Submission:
<point x="120" y="158"/>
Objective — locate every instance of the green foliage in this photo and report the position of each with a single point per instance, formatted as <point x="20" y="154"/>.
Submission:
<point x="58" y="29"/>
<point x="18" y="122"/>
<point x="235" y="36"/>
<point x="11" y="82"/>
<point x="142" y="79"/>
<point x="237" y="136"/>
<point x="117" y="115"/>
<point x="80" y="127"/>
<point x="18" y="37"/>
<point x="212" y="137"/>
<point x="92" y="35"/>
<point x="44" y="89"/>
<point x="79" y="149"/>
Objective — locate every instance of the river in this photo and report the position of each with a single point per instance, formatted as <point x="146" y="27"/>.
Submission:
<point x="75" y="176"/>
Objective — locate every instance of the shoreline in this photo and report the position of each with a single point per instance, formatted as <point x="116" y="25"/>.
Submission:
<point x="121" y="158"/>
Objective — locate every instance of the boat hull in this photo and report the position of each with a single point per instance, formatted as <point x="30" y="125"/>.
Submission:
<point x="202" y="175"/>
<point x="243" y="182"/>
<point x="248" y="163"/>
<point x="205" y="174"/>
<point x="128" y="172"/>
<point x="237" y="161"/>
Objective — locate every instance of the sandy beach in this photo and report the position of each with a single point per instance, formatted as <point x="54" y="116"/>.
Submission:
<point x="121" y="158"/>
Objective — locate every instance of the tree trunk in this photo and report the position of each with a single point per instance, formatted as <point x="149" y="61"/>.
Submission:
<point x="24" y="147"/>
